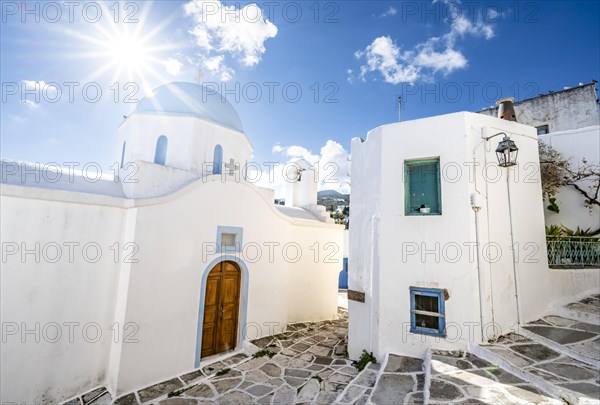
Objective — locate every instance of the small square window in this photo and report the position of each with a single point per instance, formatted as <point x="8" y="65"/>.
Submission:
<point x="427" y="314"/>
<point x="422" y="187"/>
<point x="542" y="130"/>
<point x="229" y="239"/>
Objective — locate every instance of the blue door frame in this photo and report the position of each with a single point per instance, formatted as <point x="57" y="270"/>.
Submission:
<point x="343" y="280"/>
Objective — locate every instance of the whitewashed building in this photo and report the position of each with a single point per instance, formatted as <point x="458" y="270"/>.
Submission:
<point x="123" y="283"/>
<point x="447" y="248"/>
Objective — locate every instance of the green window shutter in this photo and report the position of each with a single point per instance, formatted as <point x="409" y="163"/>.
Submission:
<point x="422" y="186"/>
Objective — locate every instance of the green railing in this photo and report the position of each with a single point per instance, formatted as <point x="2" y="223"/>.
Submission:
<point x="573" y="251"/>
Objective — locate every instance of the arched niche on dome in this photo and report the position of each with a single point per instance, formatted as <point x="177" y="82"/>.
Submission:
<point x="218" y="160"/>
<point x="160" y="155"/>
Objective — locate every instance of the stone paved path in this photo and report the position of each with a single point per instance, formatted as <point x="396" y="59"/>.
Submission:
<point x="554" y="360"/>
<point x="560" y="370"/>
<point x="308" y="363"/>
<point x="465" y="378"/>
<point x="562" y="353"/>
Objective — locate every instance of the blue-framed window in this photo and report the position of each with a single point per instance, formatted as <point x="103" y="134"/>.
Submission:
<point x="229" y="239"/>
<point x="218" y="160"/>
<point x="427" y="312"/>
<point x="160" y="155"/>
<point x="422" y="190"/>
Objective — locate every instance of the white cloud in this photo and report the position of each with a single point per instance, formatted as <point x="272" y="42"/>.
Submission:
<point x="349" y="78"/>
<point x="36" y="91"/>
<point x="392" y="11"/>
<point x="436" y="54"/>
<point x="217" y="67"/>
<point x="384" y="56"/>
<point x="446" y="61"/>
<point x="332" y="162"/>
<point x="173" y="66"/>
<point x="493" y="14"/>
<point x="461" y="26"/>
<point x="239" y="32"/>
<point x="30" y="103"/>
<point x="334" y="168"/>
<point x="296" y="151"/>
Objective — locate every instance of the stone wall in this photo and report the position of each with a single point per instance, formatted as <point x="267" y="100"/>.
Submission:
<point x="562" y="110"/>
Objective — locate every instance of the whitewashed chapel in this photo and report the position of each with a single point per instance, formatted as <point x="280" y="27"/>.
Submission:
<point x="126" y="283"/>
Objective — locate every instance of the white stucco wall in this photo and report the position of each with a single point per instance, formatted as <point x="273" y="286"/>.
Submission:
<point x="56" y="301"/>
<point x="390" y="251"/>
<point x="157" y="297"/>
<point x="575" y="145"/>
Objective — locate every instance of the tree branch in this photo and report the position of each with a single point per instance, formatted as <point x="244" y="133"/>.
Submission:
<point x="590" y="200"/>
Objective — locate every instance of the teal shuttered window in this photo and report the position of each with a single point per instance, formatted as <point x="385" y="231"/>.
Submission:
<point x="422" y="195"/>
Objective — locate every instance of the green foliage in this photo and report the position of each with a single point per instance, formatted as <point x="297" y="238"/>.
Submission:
<point x="263" y="353"/>
<point x="364" y="360"/>
<point x="223" y="372"/>
<point x="580" y="232"/>
<point x="552" y="206"/>
<point x="554" y="230"/>
<point x="318" y="378"/>
<point x="560" y="230"/>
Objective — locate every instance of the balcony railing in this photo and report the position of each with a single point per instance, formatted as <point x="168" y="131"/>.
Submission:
<point x="573" y="251"/>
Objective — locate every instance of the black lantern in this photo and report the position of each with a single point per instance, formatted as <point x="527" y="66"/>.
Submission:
<point x="507" y="152"/>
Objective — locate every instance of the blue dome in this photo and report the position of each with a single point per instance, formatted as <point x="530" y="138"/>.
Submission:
<point x="191" y="99"/>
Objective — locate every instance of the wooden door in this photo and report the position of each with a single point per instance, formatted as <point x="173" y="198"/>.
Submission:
<point x="221" y="304"/>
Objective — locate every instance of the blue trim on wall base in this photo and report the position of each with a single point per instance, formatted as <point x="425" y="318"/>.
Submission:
<point x="243" y="302"/>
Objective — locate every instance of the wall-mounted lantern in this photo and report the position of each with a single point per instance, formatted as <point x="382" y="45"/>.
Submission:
<point x="507" y="152"/>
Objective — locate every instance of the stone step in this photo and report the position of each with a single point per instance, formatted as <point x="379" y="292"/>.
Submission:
<point x="579" y="340"/>
<point x="551" y="371"/>
<point x="463" y="377"/>
<point x="400" y="379"/>
<point x="586" y="310"/>
<point x="359" y="389"/>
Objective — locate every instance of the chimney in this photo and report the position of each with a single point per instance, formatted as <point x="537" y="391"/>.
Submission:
<point x="506" y="110"/>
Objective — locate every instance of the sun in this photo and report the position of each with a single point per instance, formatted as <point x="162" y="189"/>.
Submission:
<point x="128" y="52"/>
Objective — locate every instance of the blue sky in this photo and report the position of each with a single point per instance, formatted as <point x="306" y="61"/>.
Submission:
<point x="440" y="56"/>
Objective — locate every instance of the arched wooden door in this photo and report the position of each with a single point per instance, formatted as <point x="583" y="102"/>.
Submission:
<point x="221" y="307"/>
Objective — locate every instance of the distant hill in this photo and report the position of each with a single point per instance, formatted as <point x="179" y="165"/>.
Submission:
<point x="332" y="199"/>
<point x="330" y="194"/>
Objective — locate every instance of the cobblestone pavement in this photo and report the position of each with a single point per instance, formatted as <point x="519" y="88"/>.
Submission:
<point x="563" y="372"/>
<point x="465" y="378"/>
<point x="308" y="363"/>
<point x="553" y="361"/>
